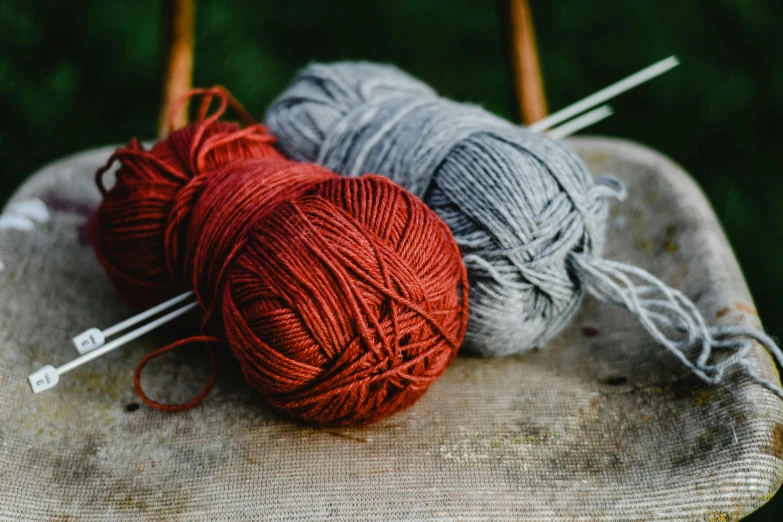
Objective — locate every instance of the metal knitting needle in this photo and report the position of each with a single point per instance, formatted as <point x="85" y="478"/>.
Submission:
<point x="646" y="74"/>
<point x="93" y="338"/>
<point x="48" y="376"/>
<point x="585" y="120"/>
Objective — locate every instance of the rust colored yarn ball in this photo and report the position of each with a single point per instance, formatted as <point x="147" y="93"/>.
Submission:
<point x="343" y="299"/>
<point x="133" y="226"/>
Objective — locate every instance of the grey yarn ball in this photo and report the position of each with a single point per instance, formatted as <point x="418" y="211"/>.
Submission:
<point x="520" y="205"/>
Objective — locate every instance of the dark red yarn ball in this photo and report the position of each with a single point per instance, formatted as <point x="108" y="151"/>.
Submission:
<point x="134" y="225"/>
<point x="343" y="299"/>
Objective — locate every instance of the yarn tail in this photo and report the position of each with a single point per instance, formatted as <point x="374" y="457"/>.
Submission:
<point x="673" y="320"/>
<point x="207" y="340"/>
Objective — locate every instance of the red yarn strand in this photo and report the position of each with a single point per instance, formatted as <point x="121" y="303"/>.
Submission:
<point x="173" y="346"/>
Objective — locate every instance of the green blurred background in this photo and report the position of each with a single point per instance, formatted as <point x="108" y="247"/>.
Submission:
<point x="84" y="73"/>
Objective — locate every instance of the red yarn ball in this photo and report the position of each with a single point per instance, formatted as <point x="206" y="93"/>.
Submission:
<point x="133" y="227"/>
<point x="343" y="299"/>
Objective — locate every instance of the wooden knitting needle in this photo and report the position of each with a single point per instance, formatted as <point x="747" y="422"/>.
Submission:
<point x="646" y="74"/>
<point x="178" y="76"/>
<point x="527" y="72"/>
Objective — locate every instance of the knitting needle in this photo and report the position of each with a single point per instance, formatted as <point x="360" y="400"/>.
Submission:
<point x="93" y="338"/>
<point x="585" y="120"/>
<point x="48" y="376"/>
<point x="646" y="74"/>
<point x="90" y="343"/>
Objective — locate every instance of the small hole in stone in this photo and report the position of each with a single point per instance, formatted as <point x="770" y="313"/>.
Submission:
<point x="132" y="406"/>
<point x="405" y="339"/>
<point x="615" y="381"/>
<point x="589" y="331"/>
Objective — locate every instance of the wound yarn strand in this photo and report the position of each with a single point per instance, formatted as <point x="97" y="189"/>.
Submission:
<point x="527" y="215"/>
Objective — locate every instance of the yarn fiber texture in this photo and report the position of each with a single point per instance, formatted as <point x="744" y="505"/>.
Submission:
<point x="517" y="203"/>
<point x="343" y="299"/>
<point x="134" y="225"/>
<point x="525" y="211"/>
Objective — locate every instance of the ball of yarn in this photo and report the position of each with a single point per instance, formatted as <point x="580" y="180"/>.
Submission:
<point x="518" y="203"/>
<point x="343" y="299"/>
<point x="132" y="229"/>
<point x="525" y="211"/>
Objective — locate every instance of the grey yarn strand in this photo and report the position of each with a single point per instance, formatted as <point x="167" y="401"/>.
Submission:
<point x="527" y="215"/>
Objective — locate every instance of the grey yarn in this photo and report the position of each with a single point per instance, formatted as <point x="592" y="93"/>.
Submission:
<point x="525" y="211"/>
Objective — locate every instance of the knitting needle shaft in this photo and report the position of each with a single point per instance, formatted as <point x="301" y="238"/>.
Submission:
<point x="646" y="74"/>
<point x="92" y="338"/>
<point x="48" y="376"/>
<point x="125" y="338"/>
<point x="144" y="315"/>
<point x="577" y="124"/>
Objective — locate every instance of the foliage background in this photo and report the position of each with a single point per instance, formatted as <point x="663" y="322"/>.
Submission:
<point x="84" y="73"/>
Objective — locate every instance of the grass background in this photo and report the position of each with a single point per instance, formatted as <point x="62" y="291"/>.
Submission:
<point x="85" y="73"/>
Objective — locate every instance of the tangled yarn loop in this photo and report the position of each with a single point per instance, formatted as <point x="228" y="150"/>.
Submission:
<point x="525" y="211"/>
<point x="343" y="299"/>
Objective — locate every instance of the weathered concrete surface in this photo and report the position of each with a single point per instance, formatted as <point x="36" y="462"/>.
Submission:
<point x="600" y="425"/>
